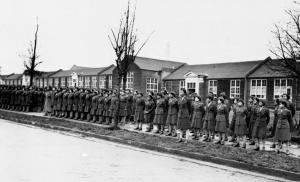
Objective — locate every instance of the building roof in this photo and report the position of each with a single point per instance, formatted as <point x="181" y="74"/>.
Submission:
<point x="215" y="71"/>
<point x="5" y="76"/>
<point x="75" y="67"/>
<point x="46" y="74"/>
<point x="14" y="77"/>
<point x="155" y="64"/>
<point x="82" y="72"/>
<point x="109" y="70"/>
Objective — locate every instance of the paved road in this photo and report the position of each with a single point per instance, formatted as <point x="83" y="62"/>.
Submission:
<point x="35" y="155"/>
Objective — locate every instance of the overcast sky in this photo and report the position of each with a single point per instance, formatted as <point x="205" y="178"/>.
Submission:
<point x="193" y="31"/>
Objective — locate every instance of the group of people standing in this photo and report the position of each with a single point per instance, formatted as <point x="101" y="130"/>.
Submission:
<point x="207" y="119"/>
<point x="21" y="98"/>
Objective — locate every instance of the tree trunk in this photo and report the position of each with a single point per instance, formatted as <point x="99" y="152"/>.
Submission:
<point x="30" y="79"/>
<point x="124" y="81"/>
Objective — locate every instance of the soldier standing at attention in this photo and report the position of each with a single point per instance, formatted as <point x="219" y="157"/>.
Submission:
<point x="47" y="107"/>
<point x="81" y="104"/>
<point x="222" y="122"/>
<point x="133" y="105"/>
<point x="240" y="124"/>
<point x="210" y="119"/>
<point x="88" y="104"/>
<point x="149" y="111"/>
<point x="198" y="113"/>
<point x="70" y="113"/>
<point x="64" y="106"/>
<point x="129" y="99"/>
<point x="183" y="120"/>
<point x="100" y="108"/>
<point x="139" y="111"/>
<point x="75" y="103"/>
<point x="160" y="112"/>
<point x="260" y="125"/>
<point x="172" y="115"/>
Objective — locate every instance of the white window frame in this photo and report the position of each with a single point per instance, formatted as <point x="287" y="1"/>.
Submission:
<point x="69" y="81"/>
<point x="20" y="82"/>
<point x="50" y="82"/>
<point x="213" y="86"/>
<point x="45" y="82"/>
<point x="102" y="81"/>
<point x="151" y="84"/>
<point x="110" y="82"/>
<point x="94" y="81"/>
<point x="41" y="82"/>
<point x="191" y="86"/>
<point x="181" y="85"/>
<point x="235" y="89"/>
<point x="80" y="81"/>
<point x="56" y="82"/>
<point x="129" y="81"/>
<point x="284" y="85"/>
<point x="258" y="88"/>
<point x="87" y="82"/>
<point x="63" y="82"/>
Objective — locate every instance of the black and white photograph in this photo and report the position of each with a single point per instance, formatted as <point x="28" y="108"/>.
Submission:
<point x="149" y="90"/>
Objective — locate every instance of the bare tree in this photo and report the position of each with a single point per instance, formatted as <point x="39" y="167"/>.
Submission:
<point x="124" y="42"/>
<point x="287" y="48"/>
<point x="31" y="61"/>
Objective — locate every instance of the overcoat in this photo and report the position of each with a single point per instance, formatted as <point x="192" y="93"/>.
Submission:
<point x="70" y="102"/>
<point x="283" y="129"/>
<point x="94" y="105"/>
<point x="100" y="106"/>
<point x="75" y="101"/>
<point x="261" y="122"/>
<point x="183" y="120"/>
<point x="160" y="111"/>
<point x="198" y="115"/>
<point x="139" y="110"/>
<point x="172" y="111"/>
<point x="222" y="118"/>
<point x="48" y="107"/>
<point x="149" y="111"/>
<point x="210" y="117"/>
<point x="240" y="123"/>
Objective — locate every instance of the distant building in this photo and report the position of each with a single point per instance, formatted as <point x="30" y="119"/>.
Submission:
<point x="3" y="78"/>
<point x="236" y="79"/>
<point x="146" y="74"/>
<point x="80" y="77"/>
<point x="14" y="79"/>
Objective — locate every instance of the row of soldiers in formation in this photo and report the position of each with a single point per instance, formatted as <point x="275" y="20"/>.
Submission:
<point x="21" y="98"/>
<point x="179" y="114"/>
<point x="187" y="112"/>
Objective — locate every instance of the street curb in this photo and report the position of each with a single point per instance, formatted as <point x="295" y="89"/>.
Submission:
<point x="231" y="163"/>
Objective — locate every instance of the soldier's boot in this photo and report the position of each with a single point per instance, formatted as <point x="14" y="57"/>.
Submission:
<point x="94" y="118"/>
<point x="76" y="115"/>
<point x="71" y="115"/>
<point x="100" y="119"/>
<point x="88" y="117"/>
<point x="27" y="109"/>
<point x="82" y="116"/>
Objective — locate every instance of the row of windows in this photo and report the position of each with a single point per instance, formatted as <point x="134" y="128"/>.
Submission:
<point x="81" y="82"/>
<point x="258" y="87"/>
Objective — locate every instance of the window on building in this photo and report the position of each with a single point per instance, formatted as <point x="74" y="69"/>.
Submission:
<point x="62" y="82"/>
<point x="15" y="82"/>
<point x="212" y="86"/>
<point x="56" y="82"/>
<point x="69" y="80"/>
<point x="235" y="88"/>
<point x="129" y="82"/>
<point x="20" y="82"/>
<point x="181" y="85"/>
<point x="152" y="85"/>
<point x="51" y="82"/>
<point x="110" y="82"/>
<point x="45" y="82"/>
<point x="282" y="86"/>
<point x="259" y="88"/>
<point x="191" y="87"/>
<point x="94" y="82"/>
<point x="41" y="82"/>
<point x="87" y="82"/>
<point x="80" y="81"/>
<point x="102" y="81"/>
